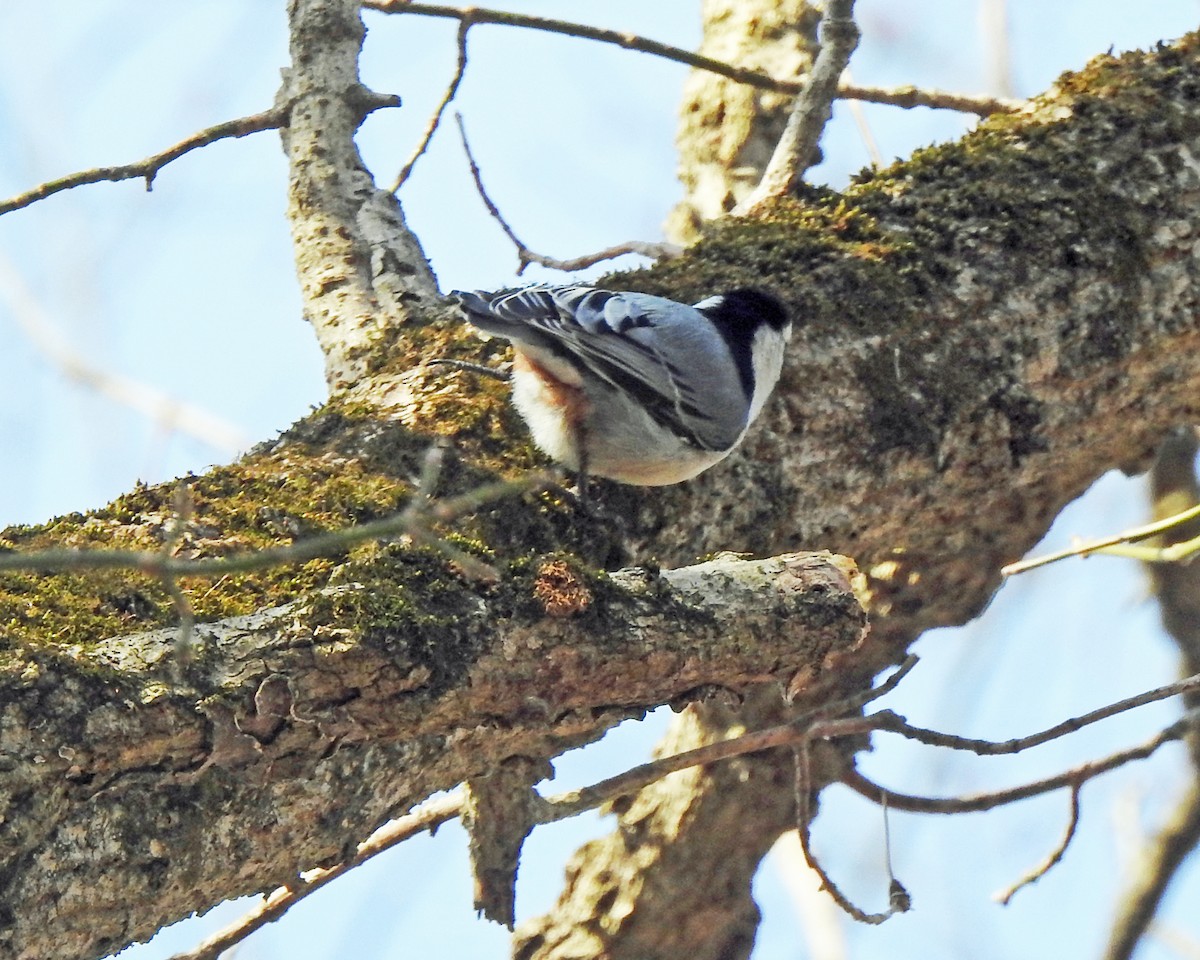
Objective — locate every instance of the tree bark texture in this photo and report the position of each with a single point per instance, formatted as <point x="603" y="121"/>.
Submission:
<point x="934" y="420"/>
<point x="131" y="798"/>
<point x="361" y="270"/>
<point x="983" y="331"/>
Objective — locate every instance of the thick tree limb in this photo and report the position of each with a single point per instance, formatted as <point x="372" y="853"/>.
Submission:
<point x="122" y="815"/>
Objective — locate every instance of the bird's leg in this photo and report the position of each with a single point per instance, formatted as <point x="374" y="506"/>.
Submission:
<point x="581" y="477"/>
<point x="479" y="368"/>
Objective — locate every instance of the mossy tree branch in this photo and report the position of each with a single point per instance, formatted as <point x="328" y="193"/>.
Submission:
<point x="133" y="798"/>
<point x="989" y="327"/>
<point x="985" y="329"/>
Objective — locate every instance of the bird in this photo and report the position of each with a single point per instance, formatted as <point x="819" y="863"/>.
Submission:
<point x="636" y="388"/>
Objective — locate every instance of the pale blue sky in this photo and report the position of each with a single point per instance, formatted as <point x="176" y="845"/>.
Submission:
<point x="191" y="289"/>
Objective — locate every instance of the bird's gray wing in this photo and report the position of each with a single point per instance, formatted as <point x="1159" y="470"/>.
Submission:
<point x="665" y="354"/>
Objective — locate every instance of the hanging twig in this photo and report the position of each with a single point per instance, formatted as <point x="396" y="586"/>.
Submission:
<point x="525" y="256"/>
<point x="434" y="121"/>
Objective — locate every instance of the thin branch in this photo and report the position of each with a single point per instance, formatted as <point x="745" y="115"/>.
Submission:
<point x="525" y="256"/>
<point x="803" y="789"/>
<point x="1005" y="896"/>
<point x="434" y="121"/>
<point x="635" y="778"/>
<point x="427" y="817"/>
<point x="796" y="150"/>
<point x="148" y="169"/>
<point x="813" y="726"/>
<point x="572" y="802"/>
<point x="1132" y="535"/>
<point x="976" y="802"/>
<point x="906" y="96"/>
<point x="864" y="128"/>
<point x="413" y="520"/>
<point x="888" y="721"/>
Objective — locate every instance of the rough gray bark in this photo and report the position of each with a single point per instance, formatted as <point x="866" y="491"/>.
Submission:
<point x="132" y="799"/>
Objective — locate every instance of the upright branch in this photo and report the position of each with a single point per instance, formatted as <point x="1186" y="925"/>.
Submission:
<point x="361" y="271"/>
<point x="797" y="148"/>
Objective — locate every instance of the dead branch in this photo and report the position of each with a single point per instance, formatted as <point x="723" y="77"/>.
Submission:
<point x="429" y="816"/>
<point x="905" y="96"/>
<point x="975" y="802"/>
<point x="1110" y="544"/>
<point x="148" y="169"/>
<point x="436" y="118"/>
<point x="1052" y="858"/>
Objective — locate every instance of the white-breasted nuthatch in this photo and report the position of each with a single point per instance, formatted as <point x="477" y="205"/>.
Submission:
<point x="632" y="387"/>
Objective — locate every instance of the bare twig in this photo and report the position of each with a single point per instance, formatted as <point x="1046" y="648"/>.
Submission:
<point x="814" y="726"/>
<point x="635" y="778"/>
<point x="975" y="802"/>
<point x="898" y="901"/>
<point x="413" y="520"/>
<point x="427" y="817"/>
<point x="1052" y="859"/>
<point x="907" y="96"/>
<point x="796" y="150"/>
<point x="888" y="721"/>
<point x="864" y="127"/>
<point x="798" y="735"/>
<point x="148" y="169"/>
<point x="434" y="121"/>
<point x="525" y="256"/>
<point x="1112" y="544"/>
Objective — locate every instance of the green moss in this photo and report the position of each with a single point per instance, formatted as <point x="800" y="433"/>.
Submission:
<point x="410" y="603"/>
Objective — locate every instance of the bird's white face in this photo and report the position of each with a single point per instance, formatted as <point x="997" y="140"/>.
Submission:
<point x="766" y="355"/>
